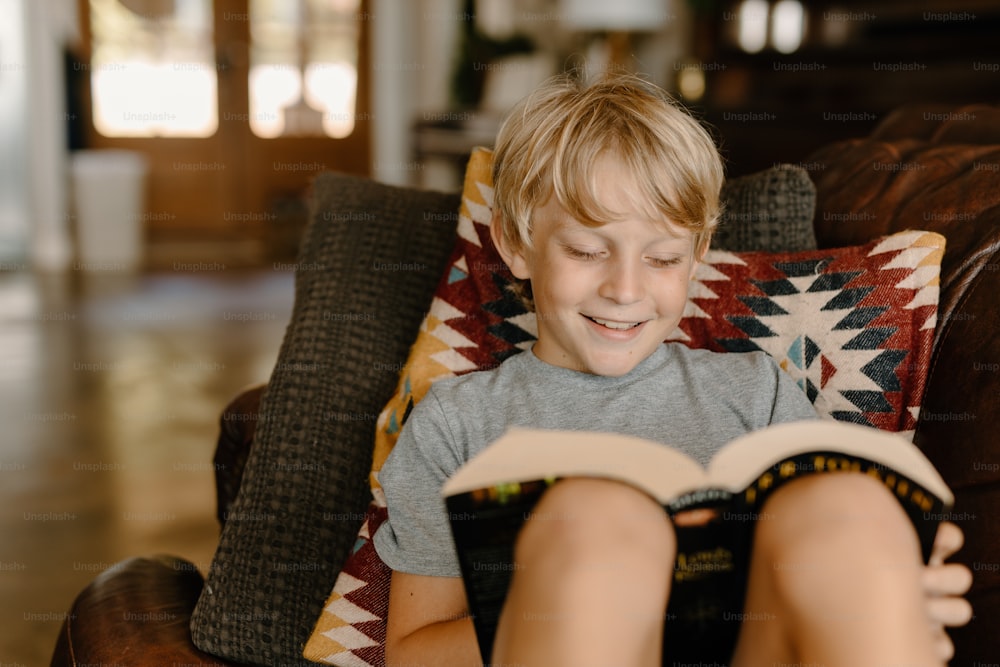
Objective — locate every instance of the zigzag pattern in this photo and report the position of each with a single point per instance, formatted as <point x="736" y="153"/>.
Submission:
<point x="445" y="351"/>
<point x="836" y="321"/>
<point x="351" y="629"/>
<point x="924" y="252"/>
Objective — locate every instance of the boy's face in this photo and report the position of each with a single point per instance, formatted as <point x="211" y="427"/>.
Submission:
<point x="607" y="296"/>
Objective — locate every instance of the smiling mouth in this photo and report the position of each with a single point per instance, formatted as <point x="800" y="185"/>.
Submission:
<point x="613" y="324"/>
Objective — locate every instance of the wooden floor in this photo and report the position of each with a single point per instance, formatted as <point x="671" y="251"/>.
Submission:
<point x="110" y="393"/>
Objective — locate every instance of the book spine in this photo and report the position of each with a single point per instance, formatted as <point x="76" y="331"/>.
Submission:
<point x="707" y="589"/>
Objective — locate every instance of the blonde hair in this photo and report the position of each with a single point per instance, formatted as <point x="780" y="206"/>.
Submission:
<point x="552" y="139"/>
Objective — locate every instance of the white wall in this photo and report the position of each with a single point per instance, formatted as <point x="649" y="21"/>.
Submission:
<point x="412" y="46"/>
<point x="34" y="221"/>
<point x="14" y="201"/>
<point x="51" y="25"/>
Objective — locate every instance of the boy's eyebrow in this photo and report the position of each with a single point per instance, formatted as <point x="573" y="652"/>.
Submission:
<point x="566" y="222"/>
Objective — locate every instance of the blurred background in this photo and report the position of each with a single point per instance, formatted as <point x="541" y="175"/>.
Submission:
<point x="156" y="162"/>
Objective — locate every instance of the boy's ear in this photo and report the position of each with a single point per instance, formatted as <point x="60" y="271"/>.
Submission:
<point x="513" y="258"/>
<point x="699" y="256"/>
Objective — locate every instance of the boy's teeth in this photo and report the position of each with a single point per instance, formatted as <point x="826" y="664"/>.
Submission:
<point x="614" y="325"/>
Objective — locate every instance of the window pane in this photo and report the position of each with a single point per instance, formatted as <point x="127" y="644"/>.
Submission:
<point x="303" y="67"/>
<point x="153" y="68"/>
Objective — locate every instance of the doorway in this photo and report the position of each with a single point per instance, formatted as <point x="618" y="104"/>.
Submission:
<point x="236" y="106"/>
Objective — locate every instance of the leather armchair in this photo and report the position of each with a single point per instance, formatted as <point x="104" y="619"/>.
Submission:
<point x="953" y="188"/>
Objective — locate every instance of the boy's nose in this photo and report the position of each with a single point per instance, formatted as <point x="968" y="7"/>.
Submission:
<point x="622" y="283"/>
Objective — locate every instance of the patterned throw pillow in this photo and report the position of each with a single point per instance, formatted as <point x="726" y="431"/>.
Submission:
<point x="853" y="326"/>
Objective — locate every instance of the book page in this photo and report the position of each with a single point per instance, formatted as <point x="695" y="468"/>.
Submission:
<point x="737" y="465"/>
<point x="531" y="454"/>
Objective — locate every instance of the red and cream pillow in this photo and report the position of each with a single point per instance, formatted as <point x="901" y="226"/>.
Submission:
<point x="853" y="326"/>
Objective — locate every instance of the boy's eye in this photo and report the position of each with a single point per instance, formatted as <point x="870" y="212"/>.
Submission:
<point x="578" y="253"/>
<point x="665" y="262"/>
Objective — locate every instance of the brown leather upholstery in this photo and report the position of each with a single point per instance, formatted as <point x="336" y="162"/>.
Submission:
<point x="236" y="430"/>
<point x="136" y="613"/>
<point x="939" y="170"/>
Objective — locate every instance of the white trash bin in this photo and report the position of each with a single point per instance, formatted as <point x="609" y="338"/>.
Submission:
<point x="109" y="201"/>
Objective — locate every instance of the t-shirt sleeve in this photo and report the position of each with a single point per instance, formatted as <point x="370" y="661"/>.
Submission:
<point x="790" y="402"/>
<point x="416" y="538"/>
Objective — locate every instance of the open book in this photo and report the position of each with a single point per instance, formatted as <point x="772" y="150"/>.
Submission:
<point x="491" y="496"/>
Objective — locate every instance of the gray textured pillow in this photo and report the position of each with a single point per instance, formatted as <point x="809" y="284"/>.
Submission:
<point x="368" y="266"/>
<point x="769" y="211"/>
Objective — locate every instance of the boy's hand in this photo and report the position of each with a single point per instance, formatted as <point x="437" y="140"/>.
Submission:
<point x="944" y="586"/>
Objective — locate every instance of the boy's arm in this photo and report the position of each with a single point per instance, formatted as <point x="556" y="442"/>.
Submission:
<point x="428" y="622"/>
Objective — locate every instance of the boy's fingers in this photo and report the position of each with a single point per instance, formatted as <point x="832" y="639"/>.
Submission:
<point x="952" y="612"/>
<point x="948" y="540"/>
<point x="951" y="579"/>
<point x="943" y="646"/>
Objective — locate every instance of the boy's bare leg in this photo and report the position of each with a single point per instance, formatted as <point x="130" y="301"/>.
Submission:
<point x="835" y="579"/>
<point x="591" y="583"/>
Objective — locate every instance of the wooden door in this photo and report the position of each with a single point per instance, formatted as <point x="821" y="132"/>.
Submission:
<point x="233" y="194"/>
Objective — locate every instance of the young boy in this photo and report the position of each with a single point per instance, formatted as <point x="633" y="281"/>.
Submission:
<point x="605" y="200"/>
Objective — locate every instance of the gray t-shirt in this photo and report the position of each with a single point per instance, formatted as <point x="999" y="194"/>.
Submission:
<point x="694" y="400"/>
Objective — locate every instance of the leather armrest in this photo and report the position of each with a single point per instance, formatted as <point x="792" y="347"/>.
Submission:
<point x="135" y="614"/>
<point x="237" y="427"/>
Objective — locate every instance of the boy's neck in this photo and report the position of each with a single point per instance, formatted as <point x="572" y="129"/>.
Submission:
<point x="639" y="367"/>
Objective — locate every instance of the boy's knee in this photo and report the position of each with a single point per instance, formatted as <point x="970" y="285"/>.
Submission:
<point x="836" y="501"/>
<point x="585" y="518"/>
<point x="821" y="527"/>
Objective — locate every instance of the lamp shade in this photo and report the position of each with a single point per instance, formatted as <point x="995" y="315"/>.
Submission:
<point x="614" y="15"/>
